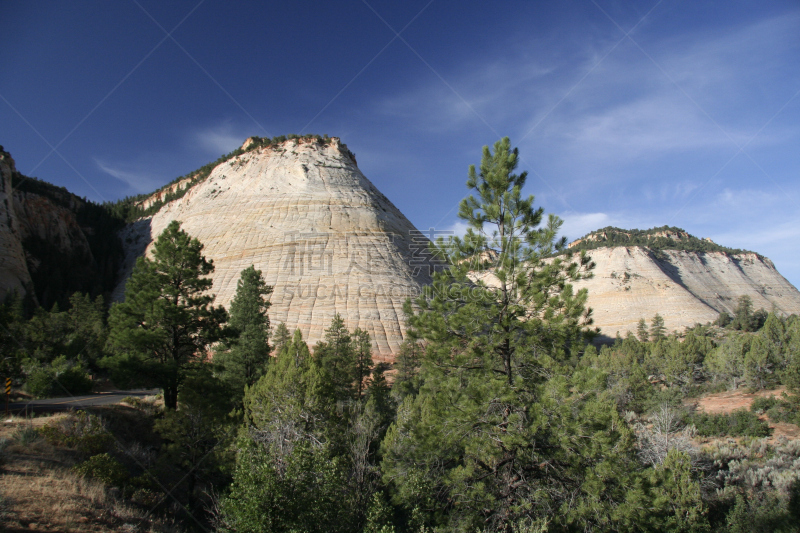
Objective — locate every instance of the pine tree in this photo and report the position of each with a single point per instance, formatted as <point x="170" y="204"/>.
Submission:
<point x="244" y="357"/>
<point x="281" y="337"/>
<point x="759" y="363"/>
<point x="641" y="331"/>
<point x="407" y="363"/>
<point x="491" y="438"/>
<point x="791" y="374"/>
<point x="362" y="347"/>
<point x="337" y="357"/>
<point x="166" y="321"/>
<point x="743" y="314"/>
<point x="657" y="329"/>
<point x="290" y="472"/>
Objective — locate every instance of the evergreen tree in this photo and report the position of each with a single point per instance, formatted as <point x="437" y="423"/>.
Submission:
<point x="337" y="357"/>
<point x="791" y="374"/>
<point x="362" y="347"/>
<point x="243" y="358"/>
<point x="641" y="331"/>
<point x="743" y="314"/>
<point x="166" y="321"/>
<point x="291" y="471"/>
<point x="281" y="337"/>
<point x="379" y="399"/>
<point x="491" y="438"/>
<point x="196" y="437"/>
<point x="657" y="329"/>
<point x="407" y="363"/>
<point x="759" y="363"/>
<point x="727" y="361"/>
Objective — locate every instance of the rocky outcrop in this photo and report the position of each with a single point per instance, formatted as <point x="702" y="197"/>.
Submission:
<point x="162" y="194"/>
<point x="53" y="242"/>
<point x="323" y="235"/>
<point x="14" y="275"/>
<point x="685" y="288"/>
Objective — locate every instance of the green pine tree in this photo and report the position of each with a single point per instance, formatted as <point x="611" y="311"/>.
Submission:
<point x="657" y="329"/>
<point x="641" y="331"/>
<point x="336" y="355"/>
<point x="166" y="321"/>
<point x="362" y="348"/>
<point x="499" y="431"/>
<point x="280" y="337"/>
<point x="407" y="363"/>
<point x="243" y="358"/>
<point x="291" y="470"/>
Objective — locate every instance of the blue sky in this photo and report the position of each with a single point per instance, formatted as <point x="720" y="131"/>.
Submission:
<point x="635" y="114"/>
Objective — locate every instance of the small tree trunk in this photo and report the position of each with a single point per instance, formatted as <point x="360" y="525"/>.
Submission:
<point x="170" y="398"/>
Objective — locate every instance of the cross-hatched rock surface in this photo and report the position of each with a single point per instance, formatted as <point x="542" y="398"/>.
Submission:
<point x="685" y="288"/>
<point x="322" y="234"/>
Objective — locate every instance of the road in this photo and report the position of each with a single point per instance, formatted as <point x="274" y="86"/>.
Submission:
<point x="50" y="405"/>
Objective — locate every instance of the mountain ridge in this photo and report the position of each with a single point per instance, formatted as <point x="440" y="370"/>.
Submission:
<point x="300" y="209"/>
<point x="326" y="238"/>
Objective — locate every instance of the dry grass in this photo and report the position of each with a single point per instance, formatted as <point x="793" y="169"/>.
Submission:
<point x="39" y="492"/>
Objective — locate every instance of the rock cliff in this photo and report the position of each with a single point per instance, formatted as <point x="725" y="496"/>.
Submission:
<point x="684" y="287"/>
<point x="14" y="275"/>
<point x="53" y="242"/>
<point x="322" y="234"/>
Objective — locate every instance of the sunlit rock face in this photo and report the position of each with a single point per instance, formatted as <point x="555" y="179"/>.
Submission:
<point x="324" y="237"/>
<point x="685" y="288"/>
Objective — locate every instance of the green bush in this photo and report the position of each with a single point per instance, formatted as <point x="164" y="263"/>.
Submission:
<point x="739" y="423"/>
<point x="762" y="405"/>
<point x="59" y="378"/>
<point x="83" y="431"/>
<point x="785" y="411"/>
<point x="103" y="468"/>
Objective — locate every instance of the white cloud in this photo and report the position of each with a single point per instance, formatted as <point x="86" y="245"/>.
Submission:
<point x="138" y="181"/>
<point x="220" y="139"/>
<point x="653" y="125"/>
<point x="576" y="225"/>
<point x="457" y="228"/>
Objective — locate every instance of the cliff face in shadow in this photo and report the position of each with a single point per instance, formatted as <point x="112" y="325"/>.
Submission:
<point x="54" y="243"/>
<point x="14" y="275"/>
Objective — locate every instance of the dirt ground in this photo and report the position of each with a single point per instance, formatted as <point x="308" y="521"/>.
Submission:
<point x="729" y="401"/>
<point x="39" y="491"/>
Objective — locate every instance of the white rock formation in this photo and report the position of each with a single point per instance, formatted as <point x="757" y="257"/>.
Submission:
<point x="685" y="288"/>
<point x="323" y="235"/>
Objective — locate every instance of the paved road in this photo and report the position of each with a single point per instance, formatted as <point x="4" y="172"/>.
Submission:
<point x="75" y="402"/>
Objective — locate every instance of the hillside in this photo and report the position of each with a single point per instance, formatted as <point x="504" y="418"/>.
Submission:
<point x="656" y="239"/>
<point x="54" y="243"/>
<point x="683" y="278"/>
<point x="301" y="211"/>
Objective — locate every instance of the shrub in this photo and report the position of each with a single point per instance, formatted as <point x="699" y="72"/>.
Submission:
<point x="146" y="405"/>
<point x="62" y="376"/>
<point x="104" y="468"/>
<point x="26" y="435"/>
<point x="83" y="431"/>
<point x="757" y="513"/>
<point x="738" y="423"/>
<point x="785" y="412"/>
<point x="762" y="405"/>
